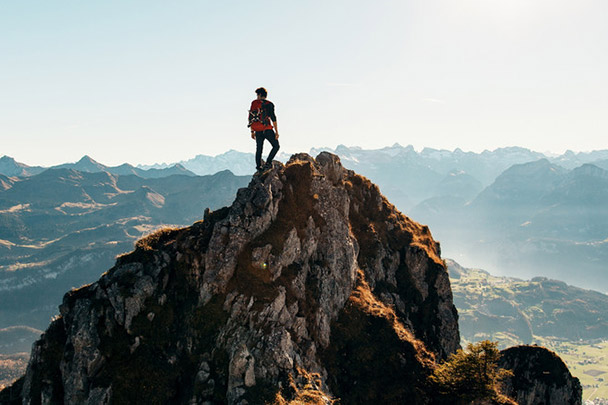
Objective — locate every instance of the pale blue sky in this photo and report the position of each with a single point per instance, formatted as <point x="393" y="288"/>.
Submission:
<point x="151" y="81"/>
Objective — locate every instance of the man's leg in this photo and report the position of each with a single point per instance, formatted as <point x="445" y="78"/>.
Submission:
<point x="259" y="140"/>
<point x="272" y="138"/>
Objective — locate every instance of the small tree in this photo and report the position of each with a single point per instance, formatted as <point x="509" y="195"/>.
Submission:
<point x="472" y="374"/>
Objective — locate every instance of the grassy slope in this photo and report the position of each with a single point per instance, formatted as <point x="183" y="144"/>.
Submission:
<point x="489" y="307"/>
<point x="587" y="361"/>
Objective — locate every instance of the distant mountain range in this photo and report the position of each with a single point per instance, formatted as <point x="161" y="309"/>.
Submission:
<point x="514" y="311"/>
<point x="385" y="164"/>
<point x="61" y="228"/>
<point x="484" y="166"/>
<point x="511" y="210"/>
<point x="239" y="163"/>
<point x="408" y="177"/>
<point x="11" y="168"/>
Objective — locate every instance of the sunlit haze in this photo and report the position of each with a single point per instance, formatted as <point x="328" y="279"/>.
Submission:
<point x="151" y="81"/>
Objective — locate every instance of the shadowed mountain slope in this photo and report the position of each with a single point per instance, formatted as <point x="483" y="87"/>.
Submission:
<point x="63" y="228"/>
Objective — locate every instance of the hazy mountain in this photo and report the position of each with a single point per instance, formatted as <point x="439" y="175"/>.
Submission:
<point x="394" y="168"/>
<point x="408" y="177"/>
<point x="570" y="159"/>
<point x="601" y="163"/>
<point x="458" y="184"/>
<point x="535" y="219"/>
<point x="483" y="166"/>
<point x="62" y="228"/>
<point x="513" y="310"/>
<point x="577" y="207"/>
<point x="9" y="167"/>
<point x="239" y="163"/>
<point x="515" y="193"/>
<point x="400" y="173"/>
<point x="85" y="164"/>
<point x="497" y="208"/>
<point x="88" y="165"/>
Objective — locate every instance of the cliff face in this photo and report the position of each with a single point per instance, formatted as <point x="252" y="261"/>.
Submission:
<point x="540" y="377"/>
<point x="311" y="270"/>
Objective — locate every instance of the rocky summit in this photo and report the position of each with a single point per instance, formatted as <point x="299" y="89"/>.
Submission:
<point x="311" y="285"/>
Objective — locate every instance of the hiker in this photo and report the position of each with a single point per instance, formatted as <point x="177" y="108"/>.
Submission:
<point x="260" y="115"/>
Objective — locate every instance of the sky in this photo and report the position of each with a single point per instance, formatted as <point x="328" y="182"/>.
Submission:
<point x="153" y="81"/>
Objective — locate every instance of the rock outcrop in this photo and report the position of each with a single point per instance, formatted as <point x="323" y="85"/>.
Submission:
<point x="540" y="377"/>
<point x="310" y="285"/>
<point x="311" y="270"/>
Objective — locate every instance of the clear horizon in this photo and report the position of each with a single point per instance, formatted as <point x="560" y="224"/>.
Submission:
<point x="148" y="83"/>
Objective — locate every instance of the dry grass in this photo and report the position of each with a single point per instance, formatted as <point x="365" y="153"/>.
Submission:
<point x="306" y="389"/>
<point x="364" y="298"/>
<point x="152" y="240"/>
<point x="371" y="214"/>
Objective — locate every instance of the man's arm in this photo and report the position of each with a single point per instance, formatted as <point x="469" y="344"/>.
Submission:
<point x="273" y="117"/>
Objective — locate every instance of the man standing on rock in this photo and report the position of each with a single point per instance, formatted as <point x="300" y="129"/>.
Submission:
<point x="260" y="115"/>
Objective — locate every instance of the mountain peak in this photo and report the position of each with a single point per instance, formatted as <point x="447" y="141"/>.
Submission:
<point x="310" y="275"/>
<point x="256" y="292"/>
<point x="87" y="161"/>
<point x="10" y="167"/>
<point x="86" y="158"/>
<point x="7" y="159"/>
<point x="590" y="170"/>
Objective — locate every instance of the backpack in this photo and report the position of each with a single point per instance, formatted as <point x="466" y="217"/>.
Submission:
<point x="259" y="114"/>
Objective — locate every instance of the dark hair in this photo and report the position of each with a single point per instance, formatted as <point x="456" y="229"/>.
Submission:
<point x="262" y="92"/>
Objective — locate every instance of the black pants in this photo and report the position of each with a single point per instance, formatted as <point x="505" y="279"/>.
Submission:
<point x="260" y="136"/>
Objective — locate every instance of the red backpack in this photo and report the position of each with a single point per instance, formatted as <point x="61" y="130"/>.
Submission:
<point x="258" y="113"/>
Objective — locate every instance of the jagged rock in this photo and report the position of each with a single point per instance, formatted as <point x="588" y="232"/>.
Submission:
<point x="311" y="271"/>
<point x="540" y="377"/>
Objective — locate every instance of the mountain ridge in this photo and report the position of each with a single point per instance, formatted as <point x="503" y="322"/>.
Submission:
<point x="310" y="270"/>
<point x="443" y="160"/>
<point x="11" y="168"/>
